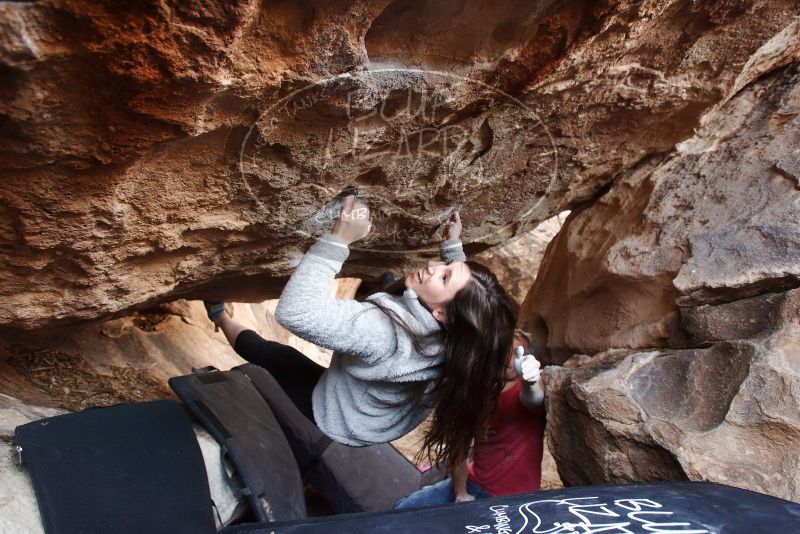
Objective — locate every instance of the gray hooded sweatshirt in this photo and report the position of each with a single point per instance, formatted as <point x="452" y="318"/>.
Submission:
<point x="364" y="396"/>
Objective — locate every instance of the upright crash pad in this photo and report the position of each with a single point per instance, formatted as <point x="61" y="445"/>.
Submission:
<point x="228" y="406"/>
<point x="125" y="469"/>
<point x="351" y="479"/>
<point x="670" y="507"/>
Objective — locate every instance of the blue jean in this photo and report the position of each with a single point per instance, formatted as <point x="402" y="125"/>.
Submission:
<point x="439" y="493"/>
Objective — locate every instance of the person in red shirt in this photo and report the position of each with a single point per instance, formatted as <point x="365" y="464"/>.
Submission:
<point x="508" y="459"/>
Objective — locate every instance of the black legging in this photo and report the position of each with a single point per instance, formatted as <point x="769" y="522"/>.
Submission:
<point x="296" y="373"/>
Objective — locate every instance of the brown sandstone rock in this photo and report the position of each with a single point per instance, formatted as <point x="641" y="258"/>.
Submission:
<point x="148" y="154"/>
<point x="715" y="221"/>
<point x="727" y="413"/>
<point x="516" y="262"/>
<point x="550" y="476"/>
<point x="696" y="251"/>
<point x="169" y="150"/>
<point x="121" y="360"/>
<point x="131" y="359"/>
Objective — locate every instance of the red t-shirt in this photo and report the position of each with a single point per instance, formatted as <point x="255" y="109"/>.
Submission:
<point x="509" y="459"/>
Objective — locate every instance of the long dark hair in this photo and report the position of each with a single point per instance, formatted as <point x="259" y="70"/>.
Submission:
<point x="476" y="337"/>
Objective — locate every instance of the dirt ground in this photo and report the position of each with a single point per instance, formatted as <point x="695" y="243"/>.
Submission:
<point x="69" y="382"/>
<point x="410" y="444"/>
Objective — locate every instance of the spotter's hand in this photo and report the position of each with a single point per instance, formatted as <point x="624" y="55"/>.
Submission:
<point x="527" y="366"/>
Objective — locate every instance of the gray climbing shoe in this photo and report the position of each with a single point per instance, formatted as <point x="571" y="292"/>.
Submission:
<point x="214" y="309"/>
<point x="387" y="279"/>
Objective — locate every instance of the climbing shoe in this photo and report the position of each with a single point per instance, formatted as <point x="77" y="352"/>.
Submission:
<point x="387" y="279"/>
<point x="214" y="309"/>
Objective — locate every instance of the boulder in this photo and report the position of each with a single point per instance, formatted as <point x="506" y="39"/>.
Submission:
<point x="714" y="221"/>
<point x="677" y="291"/>
<point x="19" y="511"/>
<point x="726" y="413"/>
<point x="14" y="412"/>
<point x="516" y="262"/>
<point x="171" y="150"/>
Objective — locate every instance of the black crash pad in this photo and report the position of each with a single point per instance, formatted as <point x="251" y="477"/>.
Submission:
<point x="125" y="469"/>
<point x="231" y="410"/>
<point x="670" y="507"/>
<point x="351" y="479"/>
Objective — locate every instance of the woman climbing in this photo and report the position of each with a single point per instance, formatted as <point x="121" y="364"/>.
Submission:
<point x="440" y="345"/>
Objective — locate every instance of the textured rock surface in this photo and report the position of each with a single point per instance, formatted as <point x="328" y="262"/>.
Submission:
<point x="17" y="499"/>
<point x="14" y="412"/>
<point x="131" y="359"/>
<point x="122" y="360"/>
<point x="550" y="477"/>
<point x="517" y="261"/>
<point x="148" y="154"/>
<point x="727" y="413"/>
<point x="171" y="150"/>
<point x="679" y="281"/>
<point x="714" y="221"/>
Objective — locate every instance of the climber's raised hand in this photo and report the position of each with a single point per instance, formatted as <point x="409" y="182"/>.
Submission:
<point x="353" y="222"/>
<point x="452" y="227"/>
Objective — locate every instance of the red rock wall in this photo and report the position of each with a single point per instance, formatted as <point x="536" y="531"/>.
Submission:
<point x="141" y="162"/>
